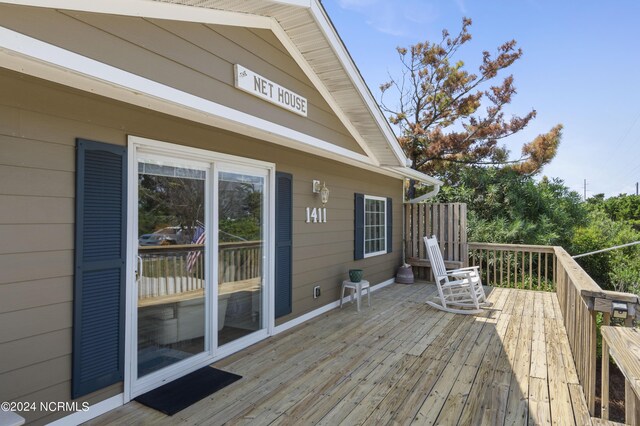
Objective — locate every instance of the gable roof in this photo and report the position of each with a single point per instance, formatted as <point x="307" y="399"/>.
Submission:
<point x="305" y="30"/>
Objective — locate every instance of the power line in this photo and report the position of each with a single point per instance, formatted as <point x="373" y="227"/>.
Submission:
<point x="631" y="172"/>
<point x="618" y="145"/>
<point x="607" y="249"/>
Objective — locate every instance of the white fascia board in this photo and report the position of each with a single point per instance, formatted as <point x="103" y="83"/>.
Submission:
<point x="34" y="57"/>
<point x="410" y="173"/>
<point x="426" y="196"/>
<point x="331" y="35"/>
<point x="320" y="87"/>
<point x="153" y="9"/>
<point x="159" y="10"/>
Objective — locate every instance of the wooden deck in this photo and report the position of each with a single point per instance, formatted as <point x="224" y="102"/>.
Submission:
<point x="400" y="361"/>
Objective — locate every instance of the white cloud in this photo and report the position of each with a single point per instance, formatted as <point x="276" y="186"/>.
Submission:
<point x="397" y="18"/>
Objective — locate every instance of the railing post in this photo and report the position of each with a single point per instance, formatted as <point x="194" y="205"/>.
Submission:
<point x="604" y="382"/>
<point x="623" y="345"/>
<point x="631" y="406"/>
<point x="592" y="349"/>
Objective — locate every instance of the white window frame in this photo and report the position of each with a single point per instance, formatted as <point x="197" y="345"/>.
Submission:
<point x="364" y="245"/>
<point x="214" y="162"/>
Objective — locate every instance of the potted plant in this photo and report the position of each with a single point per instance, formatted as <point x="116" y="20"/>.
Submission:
<point x="355" y="275"/>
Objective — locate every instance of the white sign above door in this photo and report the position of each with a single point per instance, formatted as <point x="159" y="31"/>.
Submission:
<point x="255" y="84"/>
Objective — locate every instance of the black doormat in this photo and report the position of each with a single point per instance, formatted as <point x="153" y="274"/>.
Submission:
<point x="187" y="390"/>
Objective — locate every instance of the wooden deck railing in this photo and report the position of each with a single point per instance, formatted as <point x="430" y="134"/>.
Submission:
<point x="169" y="270"/>
<point x="572" y="285"/>
<point x="514" y="266"/>
<point x="239" y="261"/>
<point x="580" y="299"/>
<point x="175" y="269"/>
<point x="623" y="345"/>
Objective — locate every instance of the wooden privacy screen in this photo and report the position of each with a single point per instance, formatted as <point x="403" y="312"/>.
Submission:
<point x="447" y="221"/>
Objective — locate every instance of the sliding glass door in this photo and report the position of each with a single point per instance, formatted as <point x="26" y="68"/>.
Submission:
<point x="172" y="274"/>
<point x="200" y="240"/>
<point x="241" y="236"/>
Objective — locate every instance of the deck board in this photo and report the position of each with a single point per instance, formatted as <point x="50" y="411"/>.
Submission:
<point x="399" y="361"/>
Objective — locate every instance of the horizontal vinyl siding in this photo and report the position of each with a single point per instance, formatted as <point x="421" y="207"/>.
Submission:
<point x="32" y="294"/>
<point x="36" y="257"/>
<point x="195" y="58"/>
<point x="37" y="172"/>
<point x="323" y="252"/>
<point x="22" y="209"/>
<point x="28" y="351"/>
<point x="32" y="181"/>
<point x="36" y="154"/>
<point x="34" y="321"/>
<point x="47" y="237"/>
<point x="37" y="376"/>
<point x="35" y="265"/>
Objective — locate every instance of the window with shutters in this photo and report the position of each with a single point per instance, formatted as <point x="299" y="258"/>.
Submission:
<point x="375" y="225"/>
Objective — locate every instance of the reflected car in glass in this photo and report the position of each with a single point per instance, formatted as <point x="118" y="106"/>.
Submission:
<point x="164" y="237"/>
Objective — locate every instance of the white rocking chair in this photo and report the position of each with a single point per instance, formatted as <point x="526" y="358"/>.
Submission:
<point x="459" y="290"/>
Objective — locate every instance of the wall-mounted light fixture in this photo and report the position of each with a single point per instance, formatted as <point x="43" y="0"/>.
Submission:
<point x="322" y="190"/>
<point x="324" y="194"/>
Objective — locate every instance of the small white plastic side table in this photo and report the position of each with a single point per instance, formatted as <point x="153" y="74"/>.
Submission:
<point x="357" y="288"/>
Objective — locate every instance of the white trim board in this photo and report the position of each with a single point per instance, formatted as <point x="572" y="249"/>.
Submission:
<point x="133" y="7"/>
<point x="94" y="411"/>
<point x="160" y="10"/>
<point x="343" y="55"/>
<point x="154" y="10"/>
<point x="34" y="57"/>
<point x="35" y="68"/>
<point x="320" y="87"/>
<point x="163" y="10"/>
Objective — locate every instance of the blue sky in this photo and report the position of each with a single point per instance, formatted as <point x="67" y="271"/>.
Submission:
<point x="580" y="67"/>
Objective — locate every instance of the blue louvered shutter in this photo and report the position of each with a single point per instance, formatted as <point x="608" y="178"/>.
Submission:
<point x="284" y="243"/>
<point x="389" y="225"/>
<point x="358" y="252"/>
<point x="100" y="260"/>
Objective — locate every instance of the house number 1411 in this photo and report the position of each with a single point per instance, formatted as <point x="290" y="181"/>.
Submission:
<point x="316" y="215"/>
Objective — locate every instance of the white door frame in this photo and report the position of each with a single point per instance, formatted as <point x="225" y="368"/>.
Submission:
<point x="134" y="386"/>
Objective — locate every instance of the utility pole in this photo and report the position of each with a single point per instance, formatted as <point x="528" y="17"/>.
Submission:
<point x="585" y="190"/>
<point x="637" y="188"/>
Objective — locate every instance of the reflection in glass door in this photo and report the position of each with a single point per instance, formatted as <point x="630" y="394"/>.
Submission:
<point x="171" y="317"/>
<point x="240" y="252"/>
